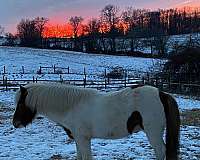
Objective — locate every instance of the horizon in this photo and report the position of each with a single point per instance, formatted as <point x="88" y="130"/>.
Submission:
<point x="59" y="13"/>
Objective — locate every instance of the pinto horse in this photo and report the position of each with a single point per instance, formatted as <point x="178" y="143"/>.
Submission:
<point x="87" y="113"/>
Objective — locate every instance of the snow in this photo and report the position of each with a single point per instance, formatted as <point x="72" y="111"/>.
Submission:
<point x="187" y="102"/>
<point x="46" y="140"/>
<point x="32" y="59"/>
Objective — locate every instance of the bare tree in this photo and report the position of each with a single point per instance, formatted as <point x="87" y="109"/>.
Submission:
<point x="75" y="22"/>
<point x="130" y="17"/>
<point x="109" y="15"/>
<point x="110" y="18"/>
<point x="10" y="39"/>
<point x="93" y="26"/>
<point x="1" y="30"/>
<point x="28" y="33"/>
<point x="93" y="35"/>
<point x="40" y="23"/>
<point x="160" y="43"/>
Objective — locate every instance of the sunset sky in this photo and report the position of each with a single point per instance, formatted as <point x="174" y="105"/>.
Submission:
<point x="59" y="11"/>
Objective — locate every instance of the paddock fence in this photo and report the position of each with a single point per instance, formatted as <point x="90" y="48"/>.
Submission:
<point x="105" y="83"/>
<point x="58" y="74"/>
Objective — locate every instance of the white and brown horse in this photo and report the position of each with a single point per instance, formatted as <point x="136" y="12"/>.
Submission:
<point x="87" y="114"/>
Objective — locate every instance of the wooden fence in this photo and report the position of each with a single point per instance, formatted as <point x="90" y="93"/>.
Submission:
<point x="106" y="83"/>
<point x="109" y="84"/>
<point x="41" y="70"/>
<point x="46" y="70"/>
<point x="56" y="70"/>
<point x="173" y="86"/>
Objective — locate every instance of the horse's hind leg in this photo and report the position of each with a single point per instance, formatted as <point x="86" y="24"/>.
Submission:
<point x="155" y="137"/>
<point x="83" y="146"/>
<point x="78" y="152"/>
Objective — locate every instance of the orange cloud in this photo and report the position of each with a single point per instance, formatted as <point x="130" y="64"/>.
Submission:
<point x="57" y="31"/>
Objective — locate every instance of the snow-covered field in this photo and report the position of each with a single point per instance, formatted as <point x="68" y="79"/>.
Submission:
<point x="45" y="140"/>
<point x="14" y="58"/>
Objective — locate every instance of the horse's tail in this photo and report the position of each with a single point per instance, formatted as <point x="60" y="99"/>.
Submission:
<point x="172" y="125"/>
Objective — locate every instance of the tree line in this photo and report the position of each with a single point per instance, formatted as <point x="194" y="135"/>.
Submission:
<point x="114" y="28"/>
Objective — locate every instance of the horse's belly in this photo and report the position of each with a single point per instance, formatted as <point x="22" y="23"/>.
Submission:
<point x="111" y="123"/>
<point x="111" y="132"/>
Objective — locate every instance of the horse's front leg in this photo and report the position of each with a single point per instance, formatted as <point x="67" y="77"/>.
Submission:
<point x="83" y="147"/>
<point x="78" y="152"/>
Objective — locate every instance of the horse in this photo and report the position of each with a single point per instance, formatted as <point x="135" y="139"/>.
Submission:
<point x="87" y="113"/>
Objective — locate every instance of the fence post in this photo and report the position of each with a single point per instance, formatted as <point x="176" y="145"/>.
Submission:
<point x="23" y="70"/>
<point x="84" y="81"/>
<point x="6" y="83"/>
<point x="105" y="84"/>
<point x="54" y="69"/>
<point x="125" y="79"/>
<point x="143" y="80"/>
<point x="128" y="79"/>
<point x="68" y="69"/>
<point x="61" y="79"/>
<point x="3" y="79"/>
<point x="33" y="79"/>
<point x="40" y="70"/>
<point x="108" y="80"/>
<point x="84" y="71"/>
<point x="4" y="69"/>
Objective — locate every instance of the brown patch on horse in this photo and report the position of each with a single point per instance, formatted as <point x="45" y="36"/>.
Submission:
<point x="136" y="86"/>
<point x="23" y="114"/>
<point x="134" y="120"/>
<point x="69" y="133"/>
<point x="172" y="125"/>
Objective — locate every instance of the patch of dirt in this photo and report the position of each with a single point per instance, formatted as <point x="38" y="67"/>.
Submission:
<point x="191" y="117"/>
<point x="56" y="157"/>
<point x="5" y="113"/>
<point x="59" y="157"/>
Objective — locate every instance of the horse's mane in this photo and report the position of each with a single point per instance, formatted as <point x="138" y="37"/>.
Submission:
<point x="41" y="94"/>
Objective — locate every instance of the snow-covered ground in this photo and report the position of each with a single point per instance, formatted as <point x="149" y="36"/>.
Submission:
<point x="31" y="59"/>
<point x="14" y="58"/>
<point x="45" y="140"/>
